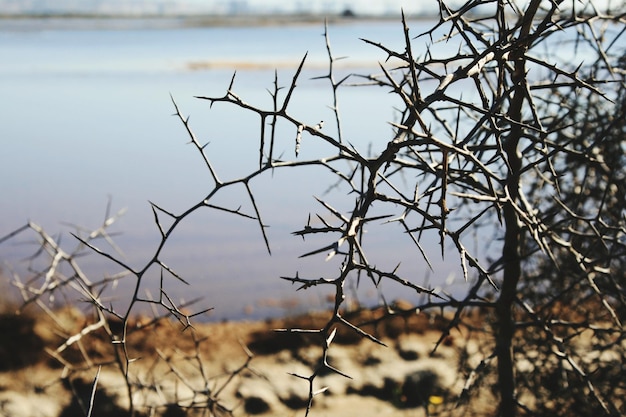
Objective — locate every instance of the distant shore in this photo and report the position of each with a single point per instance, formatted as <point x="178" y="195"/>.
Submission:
<point x="88" y="22"/>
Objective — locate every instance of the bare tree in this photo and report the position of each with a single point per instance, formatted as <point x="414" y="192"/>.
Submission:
<point x="514" y="136"/>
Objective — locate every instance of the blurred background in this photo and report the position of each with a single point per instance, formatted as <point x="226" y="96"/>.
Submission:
<point x="86" y="119"/>
<point x="214" y="7"/>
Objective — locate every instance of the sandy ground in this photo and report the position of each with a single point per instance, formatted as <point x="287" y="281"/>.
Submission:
<point x="243" y="368"/>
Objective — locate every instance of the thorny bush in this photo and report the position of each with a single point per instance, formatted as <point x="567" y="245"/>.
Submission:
<point x="515" y="136"/>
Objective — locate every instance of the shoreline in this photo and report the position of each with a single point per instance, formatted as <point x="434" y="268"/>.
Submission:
<point x="116" y="22"/>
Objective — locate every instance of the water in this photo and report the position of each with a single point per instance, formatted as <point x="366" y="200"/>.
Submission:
<point x="86" y="115"/>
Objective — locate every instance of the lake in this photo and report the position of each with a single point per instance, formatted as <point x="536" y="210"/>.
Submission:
<point x="87" y="116"/>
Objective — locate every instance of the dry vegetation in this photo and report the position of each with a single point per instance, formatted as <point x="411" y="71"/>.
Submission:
<point x="499" y="142"/>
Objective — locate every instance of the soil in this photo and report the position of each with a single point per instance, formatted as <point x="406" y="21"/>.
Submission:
<point x="239" y="368"/>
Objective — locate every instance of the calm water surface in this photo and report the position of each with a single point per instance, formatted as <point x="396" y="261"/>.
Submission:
<point x="86" y="114"/>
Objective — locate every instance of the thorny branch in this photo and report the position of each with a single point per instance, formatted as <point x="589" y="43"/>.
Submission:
<point x="500" y="146"/>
